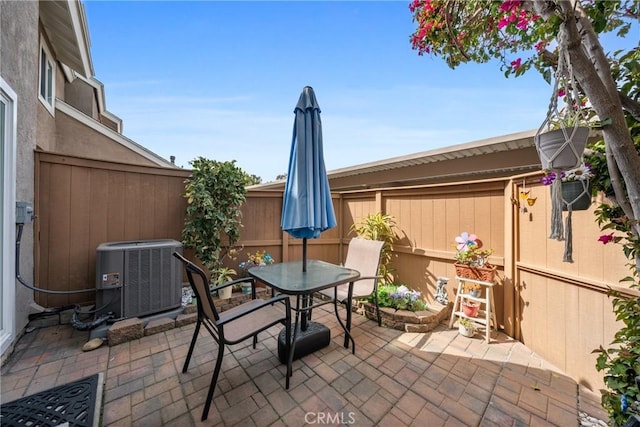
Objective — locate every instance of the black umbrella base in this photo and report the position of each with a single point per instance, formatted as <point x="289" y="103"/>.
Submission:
<point x="316" y="336"/>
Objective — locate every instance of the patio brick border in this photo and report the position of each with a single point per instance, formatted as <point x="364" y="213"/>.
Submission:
<point x="408" y="321"/>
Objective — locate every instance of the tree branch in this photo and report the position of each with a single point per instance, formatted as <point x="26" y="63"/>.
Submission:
<point x="632" y="107"/>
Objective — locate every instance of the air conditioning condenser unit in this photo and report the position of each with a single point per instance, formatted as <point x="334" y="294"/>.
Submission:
<point x="138" y="278"/>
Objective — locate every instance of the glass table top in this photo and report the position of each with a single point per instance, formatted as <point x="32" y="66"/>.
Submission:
<point x="288" y="278"/>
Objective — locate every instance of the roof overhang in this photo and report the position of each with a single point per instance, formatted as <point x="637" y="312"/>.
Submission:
<point x="65" y="24"/>
<point x="497" y="156"/>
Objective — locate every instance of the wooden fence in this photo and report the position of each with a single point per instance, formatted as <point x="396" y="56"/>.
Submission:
<point x="81" y="203"/>
<point x="560" y="310"/>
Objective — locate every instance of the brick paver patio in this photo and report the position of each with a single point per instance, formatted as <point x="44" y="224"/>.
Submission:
<point x="394" y="379"/>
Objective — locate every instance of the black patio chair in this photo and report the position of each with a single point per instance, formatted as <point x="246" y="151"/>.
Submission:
<point x="234" y="325"/>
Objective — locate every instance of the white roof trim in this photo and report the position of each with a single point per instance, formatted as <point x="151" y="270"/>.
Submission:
<point x="113" y="135"/>
<point x="82" y="34"/>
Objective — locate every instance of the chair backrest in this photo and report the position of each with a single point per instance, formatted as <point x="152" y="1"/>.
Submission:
<point x="200" y="285"/>
<point x="364" y="255"/>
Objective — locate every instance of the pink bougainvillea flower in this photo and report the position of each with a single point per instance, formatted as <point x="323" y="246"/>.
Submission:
<point x="541" y="45"/>
<point x="516" y="64"/>
<point x="561" y="93"/>
<point x="606" y="238"/>
<point x="465" y="239"/>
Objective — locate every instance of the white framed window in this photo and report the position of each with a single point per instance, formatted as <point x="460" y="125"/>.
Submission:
<point x="47" y="90"/>
<point x="8" y="129"/>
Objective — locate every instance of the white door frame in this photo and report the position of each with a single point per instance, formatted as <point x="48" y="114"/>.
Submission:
<point x="8" y="146"/>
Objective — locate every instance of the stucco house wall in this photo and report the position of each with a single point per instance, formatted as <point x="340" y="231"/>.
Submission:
<point x="19" y="41"/>
<point x="78" y="124"/>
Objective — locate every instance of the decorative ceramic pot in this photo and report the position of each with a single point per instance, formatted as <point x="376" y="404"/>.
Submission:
<point x="246" y="288"/>
<point x="475" y="292"/>
<point x="467" y="331"/>
<point x="577" y="194"/>
<point x="225" y="293"/>
<point x="470" y="309"/>
<point x="553" y="155"/>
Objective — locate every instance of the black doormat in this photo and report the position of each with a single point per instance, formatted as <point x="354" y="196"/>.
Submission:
<point x="76" y="403"/>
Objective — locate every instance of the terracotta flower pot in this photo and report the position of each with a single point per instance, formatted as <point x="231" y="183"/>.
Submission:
<point x="485" y="273"/>
<point x="470" y="309"/>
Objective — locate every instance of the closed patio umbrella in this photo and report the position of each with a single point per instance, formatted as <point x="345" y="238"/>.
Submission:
<point x="307" y="207"/>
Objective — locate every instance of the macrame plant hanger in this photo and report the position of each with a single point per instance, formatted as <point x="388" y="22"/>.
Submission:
<point x="563" y="80"/>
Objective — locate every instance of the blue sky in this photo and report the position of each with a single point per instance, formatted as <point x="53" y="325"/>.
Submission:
<point x="221" y="79"/>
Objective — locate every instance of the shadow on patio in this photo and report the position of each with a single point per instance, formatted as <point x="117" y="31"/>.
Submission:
<point x="394" y="379"/>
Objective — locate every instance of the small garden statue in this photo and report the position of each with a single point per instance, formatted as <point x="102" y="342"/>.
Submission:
<point x="441" y="291"/>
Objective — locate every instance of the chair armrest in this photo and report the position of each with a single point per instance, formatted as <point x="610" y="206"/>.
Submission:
<point x="368" y="277"/>
<point x="247" y="310"/>
<point x="231" y="283"/>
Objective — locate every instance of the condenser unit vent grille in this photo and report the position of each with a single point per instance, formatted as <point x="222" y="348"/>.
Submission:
<point x="139" y="278"/>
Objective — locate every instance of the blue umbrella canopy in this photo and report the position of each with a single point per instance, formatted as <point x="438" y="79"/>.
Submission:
<point x="307" y="207"/>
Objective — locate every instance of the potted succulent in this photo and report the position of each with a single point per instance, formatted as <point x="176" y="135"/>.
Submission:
<point x="471" y="258"/>
<point x="466" y="327"/>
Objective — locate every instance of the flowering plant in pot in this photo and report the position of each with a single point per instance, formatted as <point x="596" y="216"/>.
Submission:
<point x="471" y="258"/>
<point x="254" y="260"/>
<point x="576" y="191"/>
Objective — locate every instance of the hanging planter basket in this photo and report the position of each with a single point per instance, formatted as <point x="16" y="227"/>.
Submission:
<point x="561" y="149"/>
<point x="576" y="194"/>
<point x="485" y="273"/>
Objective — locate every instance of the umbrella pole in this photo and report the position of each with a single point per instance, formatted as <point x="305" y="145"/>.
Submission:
<point x="304" y="255"/>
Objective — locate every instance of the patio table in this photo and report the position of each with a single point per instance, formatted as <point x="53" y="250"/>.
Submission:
<point x="288" y="278"/>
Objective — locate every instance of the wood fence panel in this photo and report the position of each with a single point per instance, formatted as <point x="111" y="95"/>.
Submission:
<point x="131" y="207"/>
<point x="576" y="316"/>
<point x="59" y="225"/>
<point x="78" y="258"/>
<point x="82" y="203"/>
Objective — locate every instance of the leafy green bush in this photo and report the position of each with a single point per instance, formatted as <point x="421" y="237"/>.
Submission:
<point x="379" y="227"/>
<point x="215" y="192"/>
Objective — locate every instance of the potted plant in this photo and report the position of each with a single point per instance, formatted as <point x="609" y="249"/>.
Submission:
<point x="253" y="260"/>
<point x="221" y="276"/>
<point x="561" y="140"/>
<point x="466" y="327"/>
<point x="471" y="258"/>
<point x="470" y="308"/>
<point x="215" y="193"/>
<point x="473" y="289"/>
<point x="576" y="191"/>
<point x="379" y="226"/>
